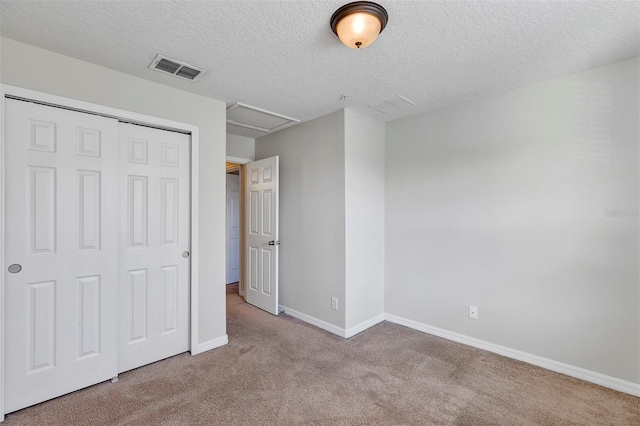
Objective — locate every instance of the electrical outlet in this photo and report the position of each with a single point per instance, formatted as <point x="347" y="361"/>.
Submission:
<point x="334" y="303"/>
<point x="473" y="312"/>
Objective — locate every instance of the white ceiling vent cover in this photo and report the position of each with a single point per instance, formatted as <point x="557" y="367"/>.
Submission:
<point x="392" y="105"/>
<point x="257" y="119"/>
<point x="177" y="68"/>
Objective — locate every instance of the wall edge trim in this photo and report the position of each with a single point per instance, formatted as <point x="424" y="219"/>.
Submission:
<point x="364" y="325"/>
<point x="546" y="363"/>
<point x="338" y="331"/>
<point x="211" y="344"/>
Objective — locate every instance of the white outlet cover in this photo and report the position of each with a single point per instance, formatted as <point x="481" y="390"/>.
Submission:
<point x="473" y="312"/>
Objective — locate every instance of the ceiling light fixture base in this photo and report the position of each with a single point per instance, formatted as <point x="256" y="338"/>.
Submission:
<point x="358" y="24"/>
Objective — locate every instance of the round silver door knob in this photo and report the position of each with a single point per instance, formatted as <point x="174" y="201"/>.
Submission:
<point x="15" y="268"/>
<point x="185" y="254"/>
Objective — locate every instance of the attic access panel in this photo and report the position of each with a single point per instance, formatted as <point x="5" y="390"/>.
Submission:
<point x="392" y="105"/>
<point x="259" y="119"/>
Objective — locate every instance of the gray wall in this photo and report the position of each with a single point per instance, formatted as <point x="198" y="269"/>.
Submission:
<point x="364" y="203"/>
<point x="241" y="146"/>
<point x="331" y="216"/>
<point x="312" y="220"/>
<point x="37" y="69"/>
<point x="501" y="203"/>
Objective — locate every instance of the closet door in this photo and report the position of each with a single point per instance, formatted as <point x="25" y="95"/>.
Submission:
<point x="61" y="252"/>
<point x="154" y="245"/>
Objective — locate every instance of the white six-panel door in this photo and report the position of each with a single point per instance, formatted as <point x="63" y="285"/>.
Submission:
<point x="61" y="213"/>
<point x="97" y="239"/>
<point x="233" y="228"/>
<point x="154" y="245"/>
<point x="261" y="255"/>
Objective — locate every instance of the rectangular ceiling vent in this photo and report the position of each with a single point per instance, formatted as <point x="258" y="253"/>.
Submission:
<point x="177" y="68"/>
<point x="392" y="105"/>
<point x="257" y="119"/>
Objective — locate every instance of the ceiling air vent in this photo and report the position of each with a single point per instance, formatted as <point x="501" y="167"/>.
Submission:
<point x="180" y="69"/>
<point x="257" y="119"/>
<point x="392" y="105"/>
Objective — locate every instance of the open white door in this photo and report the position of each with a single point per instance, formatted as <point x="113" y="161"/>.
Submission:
<point x="262" y="233"/>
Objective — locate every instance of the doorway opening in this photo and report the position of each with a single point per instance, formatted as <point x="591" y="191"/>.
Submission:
<point x="234" y="230"/>
<point x="256" y="229"/>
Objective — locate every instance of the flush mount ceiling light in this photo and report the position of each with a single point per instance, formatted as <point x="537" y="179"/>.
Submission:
<point x="358" y="24"/>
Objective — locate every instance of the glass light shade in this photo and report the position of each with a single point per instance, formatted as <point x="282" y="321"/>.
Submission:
<point x="358" y="30"/>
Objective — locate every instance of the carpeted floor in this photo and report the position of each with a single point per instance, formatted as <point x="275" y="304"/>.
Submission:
<point x="281" y="371"/>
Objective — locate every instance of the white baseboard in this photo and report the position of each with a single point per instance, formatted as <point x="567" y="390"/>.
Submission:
<point x="314" y="321"/>
<point x="359" y="328"/>
<point x="559" y="367"/>
<point x="549" y="364"/>
<point x="338" y="331"/>
<point x="211" y="344"/>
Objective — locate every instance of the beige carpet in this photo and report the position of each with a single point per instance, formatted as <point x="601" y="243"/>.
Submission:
<point x="281" y="371"/>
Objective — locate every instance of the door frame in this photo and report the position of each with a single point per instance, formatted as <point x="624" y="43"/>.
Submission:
<point x="122" y="115"/>
<point x="241" y="163"/>
<point x="238" y="169"/>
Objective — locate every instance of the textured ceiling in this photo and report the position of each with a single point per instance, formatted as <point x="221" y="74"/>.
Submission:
<point x="283" y="57"/>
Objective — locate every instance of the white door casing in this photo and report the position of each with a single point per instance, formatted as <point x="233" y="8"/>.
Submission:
<point x="61" y="204"/>
<point x="233" y="228"/>
<point x="241" y="162"/>
<point x="154" y="245"/>
<point x="262" y="233"/>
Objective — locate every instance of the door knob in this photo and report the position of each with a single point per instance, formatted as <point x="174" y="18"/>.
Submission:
<point x="15" y="268"/>
<point x="274" y="243"/>
<point x="185" y="254"/>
